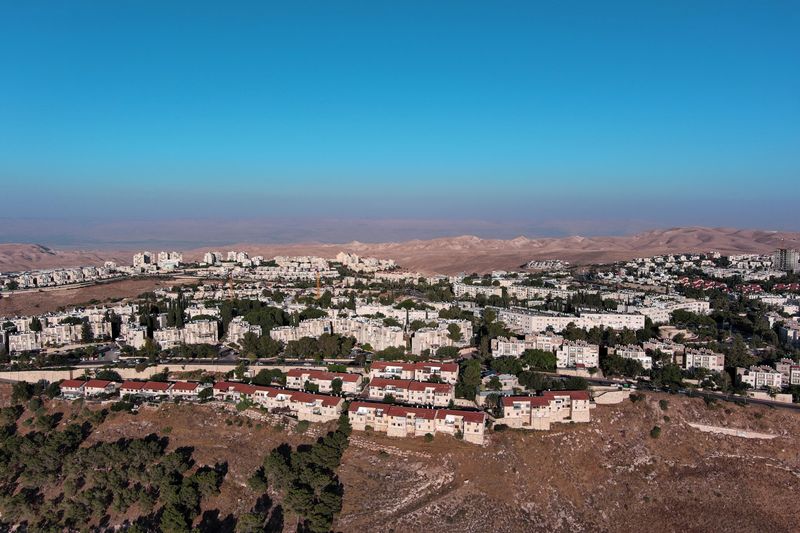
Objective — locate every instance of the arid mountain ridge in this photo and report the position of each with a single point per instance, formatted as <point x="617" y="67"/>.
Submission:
<point x="455" y="254"/>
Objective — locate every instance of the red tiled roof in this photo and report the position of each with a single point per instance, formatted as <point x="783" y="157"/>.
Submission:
<point x="423" y="385"/>
<point x="322" y="375"/>
<point x="369" y="405"/>
<point x="468" y="416"/>
<point x="384" y="382"/>
<point x="72" y="383"/>
<point x="399" y="410"/>
<point x="307" y="397"/>
<point x="185" y="385"/>
<point x="156" y="386"/>
<point x="132" y="385"/>
<point x="97" y="384"/>
<point x="241" y="388"/>
<point x="536" y="401"/>
<point x="573" y="394"/>
<point x="444" y="367"/>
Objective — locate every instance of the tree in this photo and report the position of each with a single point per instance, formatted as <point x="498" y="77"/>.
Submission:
<point x="389" y="398"/>
<point x="336" y="386"/>
<point x="494" y="383"/>
<point x="36" y="324"/>
<point x="206" y="394"/>
<point x="454" y="333"/>
<point x="447" y="352"/>
<point x="21" y="391"/>
<point x="469" y="379"/>
<point x="108" y="375"/>
<point x="539" y="360"/>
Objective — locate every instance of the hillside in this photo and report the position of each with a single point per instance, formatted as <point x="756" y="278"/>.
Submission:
<point x="456" y="254"/>
<point x="610" y="475"/>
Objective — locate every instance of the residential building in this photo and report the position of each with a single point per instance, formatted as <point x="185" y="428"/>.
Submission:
<point x="539" y="412"/>
<point x="703" y="358"/>
<point x="413" y="392"/>
<point x="514" y="347"/>
<point x="431" y="339"/>
<point x="24" y="342"/>
<point x="790" y="370"/>
<point x="297" y="378"/>
<point x="787" y="260"/>
<point x="72" y="388"/>
<point x="402" y="421"/>
<point x="578" y="354"/>
<point x="419" y="371"/>
<point x="95" y="387"/>
<point x="239" y="327"/>
<point x="761" y="377"/>
<point x="635" y="352"/>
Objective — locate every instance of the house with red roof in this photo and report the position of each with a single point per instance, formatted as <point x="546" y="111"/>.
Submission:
<point x="296" y="378"/>
<point x="420" y="371"/>
<point x="155" y="389"/>
<point x="72" y="388"/>
<point x="539" y="412"/>
<point x="130" y="387"/>
<point x="95" y="387"/>
<point x="402" y="421"/>
<point x="186" y="390"/>
<point x="233" y="390"/>
<point x="413" y="392"/>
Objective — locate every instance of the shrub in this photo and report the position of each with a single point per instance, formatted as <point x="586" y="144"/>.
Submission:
<point x="301" y="426"/>
<point x="655" y="432"/>
<point x="637" y="396"/>
<point x="500" y="427"/>
<point x="428" y="437"/>
<point x="663" y="404"/>
<point x="666" y="418"/>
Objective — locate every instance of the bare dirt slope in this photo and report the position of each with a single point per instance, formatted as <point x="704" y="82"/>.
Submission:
<point x="28" y="303"/>
<point x="609" y="476"/>
<point x="606" y="476"/>
<point x="472" y="254"/>
<point x="464" y="253"/>
<point x="17" y="257"/>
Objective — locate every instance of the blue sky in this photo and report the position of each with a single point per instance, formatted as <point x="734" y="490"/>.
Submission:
<point x="664" y="113"/>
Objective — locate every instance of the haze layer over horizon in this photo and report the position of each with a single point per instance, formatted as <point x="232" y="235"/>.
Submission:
<point x="378" y="121"/>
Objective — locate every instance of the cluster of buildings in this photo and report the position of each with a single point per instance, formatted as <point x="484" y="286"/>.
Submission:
<point x="148" y="262"/>
<point x="37" y="279"/>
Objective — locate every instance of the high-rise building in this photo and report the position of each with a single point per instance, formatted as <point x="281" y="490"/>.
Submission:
<point x="787" y="259"/>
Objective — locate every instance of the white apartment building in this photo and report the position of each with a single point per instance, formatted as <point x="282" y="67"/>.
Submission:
<point x="413" y="392"/>
<point x="434" y="338"/>
<point x="761" y="377"/>
<point x="703" y="358"/>
<point x="513" y="347"/>
<point x="238" y="327"/>
<point x="419" y="371"/>
<point x="790" y="370"/>
<point x="539" y="412"/>
<point x="401" y="421"/>
<point x="462" y="289"/>
<point x="201" y="332"/>
<point x="61" y="334"/>
<point x="296" y="378"/>
<point x="523" y="321"/>
<point x="635" y="352"/>
<point x="133" y="335"/>
<point x="307" y="328"/>
<point x="578" y="354"/>
<point x="24" y="342"/>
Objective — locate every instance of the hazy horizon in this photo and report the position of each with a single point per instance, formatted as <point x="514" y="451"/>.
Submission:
<point x="136" y="123"/>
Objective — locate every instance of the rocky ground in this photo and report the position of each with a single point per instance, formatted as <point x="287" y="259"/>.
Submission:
<point x="609" y="475"/>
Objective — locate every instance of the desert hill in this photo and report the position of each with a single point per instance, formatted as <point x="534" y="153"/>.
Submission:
<point x="456" y="254"/>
